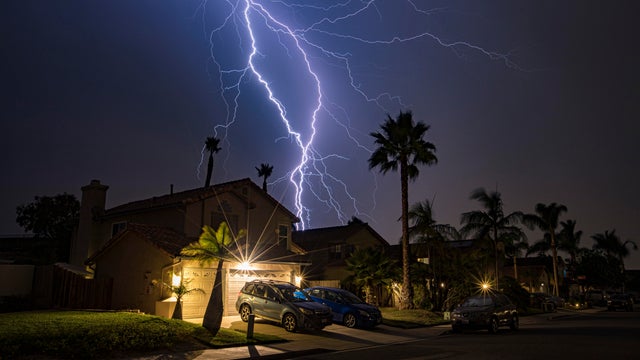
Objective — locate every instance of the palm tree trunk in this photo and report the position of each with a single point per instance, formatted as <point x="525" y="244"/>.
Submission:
<point x="515" y="267"/>
<point x="207" y="182"/>
<point x="554" y="253"/>
<point x="215" y="310"/>
<point x="406" y="295"/>
<point x="177" y="312"/>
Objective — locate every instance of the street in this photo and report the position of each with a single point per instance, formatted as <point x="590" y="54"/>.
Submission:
<point x="565" y="334"/>
<point x="612" y="335"/>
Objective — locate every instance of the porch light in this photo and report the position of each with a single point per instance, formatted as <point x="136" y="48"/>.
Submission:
<point x="176" y="279"/>
<point x="245" y="265"/>
<point x="298" y="280"/>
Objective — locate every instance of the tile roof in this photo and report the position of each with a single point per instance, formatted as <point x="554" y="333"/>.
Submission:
<point x="182" y="198"/>
<point x="166" y="239"/>
<point x="313" y="239"/>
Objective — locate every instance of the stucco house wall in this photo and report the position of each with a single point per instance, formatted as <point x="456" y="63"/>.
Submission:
<point x="133" y="263"/>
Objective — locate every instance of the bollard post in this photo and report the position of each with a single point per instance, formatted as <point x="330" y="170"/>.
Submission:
<point x="252" y="318"/>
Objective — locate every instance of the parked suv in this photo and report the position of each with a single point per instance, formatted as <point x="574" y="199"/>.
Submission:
<point x="486" y="311"/>
<point x="281" y="302"/>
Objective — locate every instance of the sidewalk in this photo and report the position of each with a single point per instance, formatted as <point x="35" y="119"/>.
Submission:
<point x="332" y="338"/>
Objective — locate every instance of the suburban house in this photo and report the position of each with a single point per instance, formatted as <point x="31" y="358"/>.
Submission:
<point x="328" y="248"/>
<point x="137" y="245"/>
<point x="535" y="274"/>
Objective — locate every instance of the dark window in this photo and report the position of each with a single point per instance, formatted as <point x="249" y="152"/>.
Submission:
<point x="283" y="234"/>
<point x="117" y="227"/>
<point x="335" y="251"/>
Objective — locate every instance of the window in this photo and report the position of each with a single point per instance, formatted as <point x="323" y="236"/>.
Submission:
<point x="335" y="251"/>
<point x="117" y="227"/>
<point x="283" y="234"/>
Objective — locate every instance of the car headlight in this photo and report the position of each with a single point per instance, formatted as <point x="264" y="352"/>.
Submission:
<point x="456" y="315"/>
<point x="305" y="311"/>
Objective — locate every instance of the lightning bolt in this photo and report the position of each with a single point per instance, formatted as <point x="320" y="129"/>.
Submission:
<point x="310" y="36"/>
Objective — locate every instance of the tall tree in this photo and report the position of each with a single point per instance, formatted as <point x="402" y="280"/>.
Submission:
<point x="546" y="219"/>
<point x="610" y="243"/>
<point x="52" y="220"/>
<point x="424" y="229"/>
<point x="211" y="145"/>
<point x="569" y="239"/>
<point x="211" y="246"/>
<point x="491" y="223"/>
<point x="264" y="171"/>
<point x="401" y="145"/>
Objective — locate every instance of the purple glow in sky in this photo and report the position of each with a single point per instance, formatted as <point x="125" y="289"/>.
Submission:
<point x="535" y="98"/>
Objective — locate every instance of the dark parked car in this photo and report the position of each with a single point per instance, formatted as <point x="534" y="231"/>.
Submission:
<point x="282" y="302"/>
<point x="546" y="302"/>
<point x="620" y="301"/>
<point x="346" y="307"/>
<point x="485" y="311"/>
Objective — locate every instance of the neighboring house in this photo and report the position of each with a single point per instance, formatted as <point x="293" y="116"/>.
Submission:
<point x="138" y="244"/>
<point x="328" y="248"/>
<point x="535" y="274"/>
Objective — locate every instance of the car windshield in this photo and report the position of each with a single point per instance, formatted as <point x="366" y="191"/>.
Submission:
<point x="476" y="301"/>
<point x="293" y="294"/>
<point x="349" y="298"/>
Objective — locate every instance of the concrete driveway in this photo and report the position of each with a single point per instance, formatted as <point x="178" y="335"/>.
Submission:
<point x="332" y="338"/>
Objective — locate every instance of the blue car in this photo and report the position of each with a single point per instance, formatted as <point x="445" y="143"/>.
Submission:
<point x="346" y="308"/>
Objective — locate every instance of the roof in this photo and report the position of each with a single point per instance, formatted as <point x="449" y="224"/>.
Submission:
<point x="165" y="239"/>
<point x="314" y="239"/>
<point x="180" y="199"/>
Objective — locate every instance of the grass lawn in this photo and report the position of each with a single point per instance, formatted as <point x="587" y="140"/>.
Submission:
<point x="408" y="319"/>
<point x="88" y="335"/>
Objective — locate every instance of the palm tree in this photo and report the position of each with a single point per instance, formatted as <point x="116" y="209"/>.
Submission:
<point x="211" y="145"/>
<point x="401" y="145"/>
<point x="491" y="223"/>
<point x="514" y="244"/>
<point x="546" y="219"/>
<point x="569" y="239"/>
<point x="213" y="245"/>
<point x="264" y="171"/>
<point x="181" y="291"/>
<point x="611" y="244"/>
<point x="370" y="268"/>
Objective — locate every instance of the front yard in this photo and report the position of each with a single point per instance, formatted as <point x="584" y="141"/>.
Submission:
<point x="89" y="335"/>
<point x="109" y="334"/>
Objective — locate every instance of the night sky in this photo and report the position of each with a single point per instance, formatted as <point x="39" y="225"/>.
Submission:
<point x="127" y="91"/>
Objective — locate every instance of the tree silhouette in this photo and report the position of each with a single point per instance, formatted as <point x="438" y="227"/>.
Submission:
<point x="264" y="171"/>
<point x="211" y="145"/>
<point x="401" y="145"/>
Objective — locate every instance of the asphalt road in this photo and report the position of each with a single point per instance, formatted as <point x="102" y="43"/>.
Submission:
<point x="567" y="335"/>
<point x="563" y="335"/>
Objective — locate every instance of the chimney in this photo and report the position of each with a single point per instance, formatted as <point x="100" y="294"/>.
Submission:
<point x="88" y="240"/>
<point x="171" y="192"/>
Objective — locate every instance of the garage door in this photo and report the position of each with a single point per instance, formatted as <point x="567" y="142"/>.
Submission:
<point x="195" y="303"/>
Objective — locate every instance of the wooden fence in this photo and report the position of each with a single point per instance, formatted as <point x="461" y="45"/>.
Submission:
<point x="56" y="287"/>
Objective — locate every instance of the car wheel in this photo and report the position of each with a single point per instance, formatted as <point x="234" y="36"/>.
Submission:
<point x="350" y="320"/>
<point x="515" y="323"/>
<point x="245" y="311"/>
<point x="493" y="325"/>
<point x="289" y="322"/>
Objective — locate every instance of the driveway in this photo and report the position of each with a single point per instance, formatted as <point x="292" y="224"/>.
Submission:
<point x="332" y="338"/>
